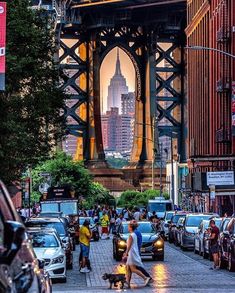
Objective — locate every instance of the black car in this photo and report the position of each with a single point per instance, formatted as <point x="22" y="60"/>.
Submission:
<point x="19" y="269"/>
<point x="61" y="229"/>
<point x="227" y="246"/>
<point x="172" y="226"/>
<point x="152" y="242"/>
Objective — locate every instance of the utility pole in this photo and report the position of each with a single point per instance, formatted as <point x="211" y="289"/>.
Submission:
<point x="153" y="156"/>
<point x="172" y="175"/>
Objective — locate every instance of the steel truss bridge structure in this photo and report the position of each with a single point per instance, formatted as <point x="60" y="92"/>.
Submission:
<point x="152" y="35"/>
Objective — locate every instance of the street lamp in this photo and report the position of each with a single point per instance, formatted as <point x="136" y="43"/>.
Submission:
<point x="209" y="49"/>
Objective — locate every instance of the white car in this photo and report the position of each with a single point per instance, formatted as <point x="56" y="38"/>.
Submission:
<point x="48" y="247"/>
<point x="165" y="222"/>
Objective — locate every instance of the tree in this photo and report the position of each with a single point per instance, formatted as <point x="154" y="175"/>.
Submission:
<point x="30" y="120"/>
<point x="65" y="171"/>
<point x="132" y="198"/>
<point x="98" y="195"/>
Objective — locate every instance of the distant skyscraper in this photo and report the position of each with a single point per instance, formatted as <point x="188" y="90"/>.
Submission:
<point x="117" y="87"/>
<point x="117" y="131"/>
<point x="128" y="103"/>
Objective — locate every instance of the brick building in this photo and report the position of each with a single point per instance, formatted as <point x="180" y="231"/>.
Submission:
<point x="210" y="85"/>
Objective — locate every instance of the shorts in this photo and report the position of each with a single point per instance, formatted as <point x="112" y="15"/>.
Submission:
<point x="84" y="250"/>
<point x="105" y="230"/>
<point x="214" y="248"/>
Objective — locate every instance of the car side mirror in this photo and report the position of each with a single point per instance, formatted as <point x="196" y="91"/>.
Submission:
<point x="14" y="233"/>
<point x="41" y="263"/>
<point x="226" y="233"/>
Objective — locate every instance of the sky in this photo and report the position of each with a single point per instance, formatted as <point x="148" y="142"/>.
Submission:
<point x="107" y="71"/>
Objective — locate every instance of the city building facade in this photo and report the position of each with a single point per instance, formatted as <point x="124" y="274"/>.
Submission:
<point x="117" y="131"/>
<point x="128" y="103"/>
<point x="117" y="87"/>
<point x="210" y="88"/>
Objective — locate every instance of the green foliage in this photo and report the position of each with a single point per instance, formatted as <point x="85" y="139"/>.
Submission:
<point x="132" y="198"/>
<point x="64" y="171"/>
<point x="98" y="195"/>
<point x="30" y="120"/>
<point x="117" y="163"/>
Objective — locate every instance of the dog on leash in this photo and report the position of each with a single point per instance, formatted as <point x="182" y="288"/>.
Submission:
<point x="114" y="279"/>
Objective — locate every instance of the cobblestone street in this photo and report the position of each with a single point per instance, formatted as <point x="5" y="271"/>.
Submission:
<point x="180" y="272"/>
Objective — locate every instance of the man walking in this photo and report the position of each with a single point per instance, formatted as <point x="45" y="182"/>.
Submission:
<point x="84" y="239"/>
<point x="214" y="247"/>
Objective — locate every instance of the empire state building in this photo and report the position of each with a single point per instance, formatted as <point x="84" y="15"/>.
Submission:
<point x="117" y="87"/>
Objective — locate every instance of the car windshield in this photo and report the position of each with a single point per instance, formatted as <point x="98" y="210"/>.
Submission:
<point x="49" y="207"/>
<point x="169" y="216"/>
<point x="175" y="218"/>
<point x="82" y="220"/>
<point x="194" y="221"/>
<point x="44" y="240"/>
<point x="159" y="207"/>
<point x="69" y="208"/>
<point x="147" y="228"/>
<point x="58" y="226"/>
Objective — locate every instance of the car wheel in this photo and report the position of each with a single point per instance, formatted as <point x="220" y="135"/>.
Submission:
<point x="64" y="280"/>
<point x="204" y="254"/>
<point x="231" y="264"/>
<point x="114" y="252"/>
<point x="160" y="257"/>
<point x="222" y="263"/>
<point x="118" y="257"/>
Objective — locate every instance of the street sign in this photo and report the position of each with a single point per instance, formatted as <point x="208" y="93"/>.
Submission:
<point x="220" y="178"/>
<point x="45" y="174"/>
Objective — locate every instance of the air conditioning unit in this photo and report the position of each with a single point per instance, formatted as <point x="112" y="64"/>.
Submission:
<point x="223" y="35"/>
<point x="223" y="135"/>
<point x="223" y="85"/>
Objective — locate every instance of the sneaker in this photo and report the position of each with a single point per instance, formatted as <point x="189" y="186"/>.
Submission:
<point x="84" y="270"/>
<point x="146" y="281"/>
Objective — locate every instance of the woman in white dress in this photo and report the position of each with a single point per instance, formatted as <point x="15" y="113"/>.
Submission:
<point x="133" y="256"/>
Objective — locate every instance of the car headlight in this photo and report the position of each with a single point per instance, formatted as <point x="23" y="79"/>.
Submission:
<point x="122" y="243"/>
<point x="159" y="243"/>
<point x="59" y="259"/>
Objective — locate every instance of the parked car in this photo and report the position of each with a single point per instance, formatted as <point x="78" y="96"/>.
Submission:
<point x="172" y="225"/>
<point x="152" y="245"/>
<point x="177" y="229"/>
<point x="93" y="227"/>
<point x="201" y="244"/>
<point x="190" y="227"/>
<point x="227" y="246"/>
<point x="19" y="269"/>
<point x="165" y="223"/>
<point x="61" y="229"/>
<point x="48" y="247"/>
<point x="206" y="243"/>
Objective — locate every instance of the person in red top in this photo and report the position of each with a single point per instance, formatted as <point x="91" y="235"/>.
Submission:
<point x="214" y="247"/>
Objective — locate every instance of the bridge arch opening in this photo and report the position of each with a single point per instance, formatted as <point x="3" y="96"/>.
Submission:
<point x="118" y="95"/>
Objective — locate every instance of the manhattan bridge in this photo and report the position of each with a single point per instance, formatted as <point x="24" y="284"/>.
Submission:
<point x="151" y="33"/>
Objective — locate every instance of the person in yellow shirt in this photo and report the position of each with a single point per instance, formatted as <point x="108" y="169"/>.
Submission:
<point x="104" y="222"/>
<point x="84" y="239"/>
